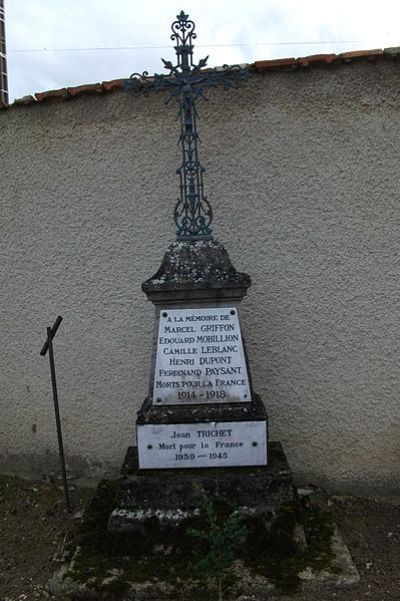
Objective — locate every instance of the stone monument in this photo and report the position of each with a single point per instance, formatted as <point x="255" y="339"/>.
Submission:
<point x="202" y="430"/>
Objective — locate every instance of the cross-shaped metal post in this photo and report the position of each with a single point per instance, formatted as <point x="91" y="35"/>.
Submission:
<point x="48" y="346"/>
<point x="186" y="82"/>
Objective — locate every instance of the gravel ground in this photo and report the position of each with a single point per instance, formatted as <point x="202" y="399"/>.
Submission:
<point x="371" y="530"/>
<point x="34" y="533"/>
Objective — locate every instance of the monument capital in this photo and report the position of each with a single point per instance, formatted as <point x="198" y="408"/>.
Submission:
<point x="196" y="270"/>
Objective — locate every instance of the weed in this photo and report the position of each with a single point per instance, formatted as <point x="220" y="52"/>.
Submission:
<point x="218" y="543"/>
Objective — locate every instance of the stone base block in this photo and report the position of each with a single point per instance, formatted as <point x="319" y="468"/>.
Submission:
<point x="154" y="508"/>
<point x="270" y="565"/>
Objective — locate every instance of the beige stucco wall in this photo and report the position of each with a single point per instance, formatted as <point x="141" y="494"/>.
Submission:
<point x="303" y="175"/>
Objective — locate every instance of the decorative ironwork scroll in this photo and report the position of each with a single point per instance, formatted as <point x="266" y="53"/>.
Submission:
<point x="186" y="82"/>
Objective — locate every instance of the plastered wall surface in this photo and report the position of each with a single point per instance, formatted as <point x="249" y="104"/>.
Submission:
<point x="303" y="176"/>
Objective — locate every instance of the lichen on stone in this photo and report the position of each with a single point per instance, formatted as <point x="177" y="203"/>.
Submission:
<point x="196" y="264"/>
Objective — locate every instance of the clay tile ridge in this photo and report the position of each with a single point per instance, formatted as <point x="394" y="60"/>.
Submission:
<point x="72" y="92"/>
<point x="290" y="64"/>
<point x="265" y="66"/>
<point x="68" y="93"/>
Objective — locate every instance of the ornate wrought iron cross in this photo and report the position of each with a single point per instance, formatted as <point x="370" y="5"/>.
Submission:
<point x="186" y="82"/>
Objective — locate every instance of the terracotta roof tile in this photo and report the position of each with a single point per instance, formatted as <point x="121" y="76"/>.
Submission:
<point x="317" y="59"/>
<point x="370" y="54"/>
<point x="61" y="93"/>
<point x="277" y="63"/>
<point x="114" y="84"/>
<point x="90" y="88"/>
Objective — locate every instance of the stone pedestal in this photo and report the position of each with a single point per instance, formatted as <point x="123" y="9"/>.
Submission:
<point x="201" y="410"/>
<point x="156" y="508"/>
<point x="202" y="431"/>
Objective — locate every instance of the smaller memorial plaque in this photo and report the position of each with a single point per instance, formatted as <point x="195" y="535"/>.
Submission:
<point x="200" y="358"/>
<point x="212" y="444"/>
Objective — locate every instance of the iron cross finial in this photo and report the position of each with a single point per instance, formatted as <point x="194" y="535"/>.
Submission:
<point x="183" y="34"/>
<point x="186" y="81"/>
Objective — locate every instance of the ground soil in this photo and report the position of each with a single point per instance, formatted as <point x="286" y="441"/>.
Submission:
<point x="35" y="529"/>
<point x="371" y="530"/>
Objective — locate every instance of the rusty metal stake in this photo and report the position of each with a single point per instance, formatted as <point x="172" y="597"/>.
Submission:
<point x="48" y="346"/>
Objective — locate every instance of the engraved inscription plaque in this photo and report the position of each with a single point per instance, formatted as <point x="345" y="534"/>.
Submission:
<point x="200" y="358"/>
<point x="215" y="444"/>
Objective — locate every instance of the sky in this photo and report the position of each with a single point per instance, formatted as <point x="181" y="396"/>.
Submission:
<point x="57" y="43"/>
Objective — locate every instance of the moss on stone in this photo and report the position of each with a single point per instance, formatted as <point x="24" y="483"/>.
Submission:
<point x="94" y="566"/>
<point x="274" y="554"/>
<point x="280" y="558"/>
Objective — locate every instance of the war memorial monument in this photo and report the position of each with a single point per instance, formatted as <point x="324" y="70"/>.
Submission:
<point x="202" y="430"/>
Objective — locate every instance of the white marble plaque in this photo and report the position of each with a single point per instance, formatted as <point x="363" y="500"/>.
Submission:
<point x="200" y="358"/>
<point x="215" y="444"/>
